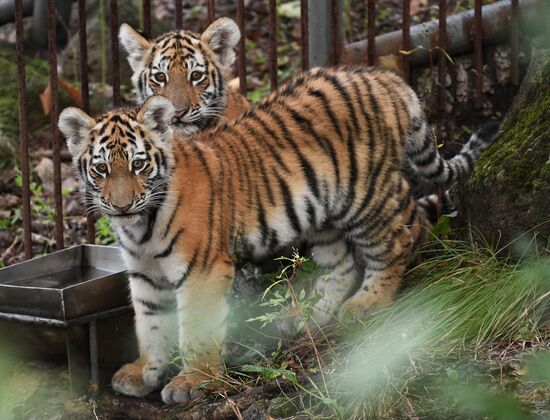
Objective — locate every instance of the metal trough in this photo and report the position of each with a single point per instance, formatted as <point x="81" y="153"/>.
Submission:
<point x="77" y="297"/>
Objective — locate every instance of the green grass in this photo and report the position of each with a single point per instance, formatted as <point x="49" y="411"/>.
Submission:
<point x="462" y="303"/>
<point x="429" y="353"/>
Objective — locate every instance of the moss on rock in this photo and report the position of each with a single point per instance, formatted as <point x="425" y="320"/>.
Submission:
<point x="508" y="193"/>
<point x="520" y="156"/>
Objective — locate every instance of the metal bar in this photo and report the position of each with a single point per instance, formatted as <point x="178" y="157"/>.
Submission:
<point x="146" y="24"/>
<point x="52" y="322"/>
<point x="496" y="30"/>
<point x="319" y="32"/>
<point x="94" y="362"/>
<point x="23" y="133"/>
<point x="85" y="91"/>
<point x="78" y="359"/>
<point x="442" y="45"/>
<point x="179" y="14"/>
<point x="54" y="109"/>
<point x="211" y="11"/>
<point x="273" y="44"/>
<point x="515" y="42"/>
<point x="335" y="32"/>
<point x="304" y="29"/>
<point x="406" y="42"/>
<point x="242" y="48"/>
<point x="117" y="100"/>
<point x="478" y="47"/>
<point x="371" y="32"/>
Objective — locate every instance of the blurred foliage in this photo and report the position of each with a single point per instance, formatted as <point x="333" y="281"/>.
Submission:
<point x="37" y="76"/>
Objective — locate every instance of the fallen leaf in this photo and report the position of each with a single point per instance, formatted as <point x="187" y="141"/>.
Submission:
<point x="46" y="96"/>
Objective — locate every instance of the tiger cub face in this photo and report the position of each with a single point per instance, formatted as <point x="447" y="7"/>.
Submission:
<point x="124" y="159"/>
<point x="189" y="69"/>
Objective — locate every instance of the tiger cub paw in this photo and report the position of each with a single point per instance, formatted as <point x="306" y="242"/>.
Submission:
<point x="129" y="381"/>
<point x="360" y="305"/>
<point x="154" y="375"/>
<point x="186" y="387"/>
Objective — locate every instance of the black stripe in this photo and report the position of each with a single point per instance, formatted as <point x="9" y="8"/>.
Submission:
<point x="264" y="229"/>
<point x="168" y="250"/>
<point x="309" y="172"/>
<point x="154" y="308"/>
<point x="190" y="267"/>
<point x="151" y="282"/>
<point x="289" y="205"/>
<point x="328" y="110"/>
<point x="311" y="216"/>
<point x="150" y="226"/>
<point x="324" y="143"/>
<point x="340" y="88"/>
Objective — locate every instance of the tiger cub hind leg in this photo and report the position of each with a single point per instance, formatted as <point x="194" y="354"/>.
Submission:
<point x="203" y="309"/>
<point x="334" y="255"/>
<point x="387" y="250"/>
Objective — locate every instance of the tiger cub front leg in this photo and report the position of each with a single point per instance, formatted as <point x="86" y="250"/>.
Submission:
<point x="155" y="324"/>
<point x="202" y="312"/>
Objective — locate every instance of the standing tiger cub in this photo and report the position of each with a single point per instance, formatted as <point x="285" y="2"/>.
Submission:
<point x="319" y="160"/>
<point x="189" y="69"/>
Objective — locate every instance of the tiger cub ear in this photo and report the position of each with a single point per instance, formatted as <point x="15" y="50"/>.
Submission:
<point x="136" y="46"/>
<point x="75" y="125"/>
<point x="222" y="36"/>
<point x="156" y="114"/>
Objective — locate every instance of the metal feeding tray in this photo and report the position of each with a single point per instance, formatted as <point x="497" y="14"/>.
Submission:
<point x="78" y="296"/>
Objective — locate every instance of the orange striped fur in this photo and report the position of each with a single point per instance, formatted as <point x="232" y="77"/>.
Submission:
<point x="321" y="160"/>
<point x="191" y="70"/>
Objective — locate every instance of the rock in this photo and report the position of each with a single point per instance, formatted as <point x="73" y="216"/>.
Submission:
<point x="9" y="201"/>
<point x="508" y="195"/>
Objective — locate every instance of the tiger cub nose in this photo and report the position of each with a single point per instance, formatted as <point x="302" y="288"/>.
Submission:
<point x="122" y="210"/>
<point x="180" y="113"/>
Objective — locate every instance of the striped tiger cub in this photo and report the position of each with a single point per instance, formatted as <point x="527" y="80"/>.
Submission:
<point x="191" y="70"/>
<point x="321" y="160"/>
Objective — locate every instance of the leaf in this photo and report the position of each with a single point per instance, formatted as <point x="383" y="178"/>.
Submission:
<point x="442" y="227"/>
<point x="74" y="93"/>
<point x="46" y="96"/>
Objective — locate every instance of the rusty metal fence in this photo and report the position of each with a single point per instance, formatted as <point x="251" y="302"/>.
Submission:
<point x="339" y="54"/>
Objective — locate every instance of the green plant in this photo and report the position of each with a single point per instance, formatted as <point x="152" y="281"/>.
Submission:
<point x="41" y="205"/>
<point x="103" y="231"/>
<point x="425" y="349"/>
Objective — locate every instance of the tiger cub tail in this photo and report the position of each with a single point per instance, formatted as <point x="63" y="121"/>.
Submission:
<point x="434" y="205"/>
<point x="427" y="163"/>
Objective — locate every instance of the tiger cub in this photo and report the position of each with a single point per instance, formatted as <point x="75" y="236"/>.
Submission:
<point x="191" y="70"/>
<point x="320" y="160"/>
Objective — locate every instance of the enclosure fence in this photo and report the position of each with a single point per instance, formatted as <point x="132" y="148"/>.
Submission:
<point x="478" y="28"/>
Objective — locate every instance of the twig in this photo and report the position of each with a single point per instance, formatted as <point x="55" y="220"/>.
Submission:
<point x="232" y="405"/>
<point x="9" y="250"/>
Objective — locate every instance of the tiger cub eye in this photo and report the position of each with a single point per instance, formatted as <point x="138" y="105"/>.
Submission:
<point x="101" y="168"/>
<point x="138" y="164"/>
<point x="160" y="77"/>
<point x="196" y="75"/>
